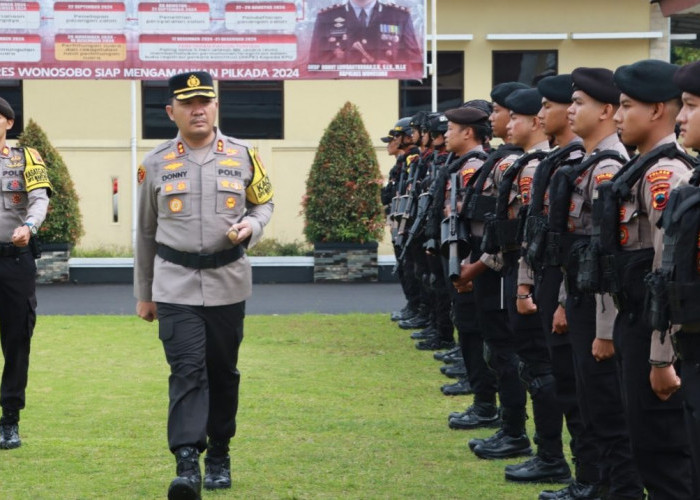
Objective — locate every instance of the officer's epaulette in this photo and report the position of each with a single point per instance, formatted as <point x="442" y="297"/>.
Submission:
<point x="394" y="6"/>
<point x="164" y="146"/>
<point x="326" y="9"/>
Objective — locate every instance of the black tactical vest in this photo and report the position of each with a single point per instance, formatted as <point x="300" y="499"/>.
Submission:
<point x="673" y="289"/>
<point x="604" y="267"/>
<point x="536" y="225"/>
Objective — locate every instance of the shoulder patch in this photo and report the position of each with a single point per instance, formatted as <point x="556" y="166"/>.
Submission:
<point x="659" y="175"/>
<point x="603" y="177"/>
<point x="259" y="190"/>
<point x="504" y="166"/>
<point x="467" y="174"/>
<point x="36" y="157"/>
<point x="141" y="174"/>
<point x="659" y="195"/>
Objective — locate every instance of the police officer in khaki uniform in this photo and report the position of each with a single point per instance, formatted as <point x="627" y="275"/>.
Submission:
<point x="686" y="258"/>
<point x="25" y="193"/>
<point x="625" y="246"/>
<point x="364" y="32"/>
<point x="203" y="198"/>
<point x="595" y="100"/>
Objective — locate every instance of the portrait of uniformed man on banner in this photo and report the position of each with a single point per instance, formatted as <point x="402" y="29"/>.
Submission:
<point x="364" y="32"/>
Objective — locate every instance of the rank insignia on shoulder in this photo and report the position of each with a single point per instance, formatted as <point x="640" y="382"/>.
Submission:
<point x="180" y="148"/>
<point x="141" y="174"/>
<point x="5" y="151"/>
<point x="219" y="146"/>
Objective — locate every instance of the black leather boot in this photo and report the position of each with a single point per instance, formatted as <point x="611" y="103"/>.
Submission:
<point x="476" y="416"/>
<point x="511" y="441"/>
<point x="217" y="466"/>
<point x="540" y="469"/>
<point x="188" y="483"/>
<point x="9" y="430"/>
<point x="459" y="388"/>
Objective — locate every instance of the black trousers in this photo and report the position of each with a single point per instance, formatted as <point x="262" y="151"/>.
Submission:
<point x="407" y="277"/>
<point x="441" y="299"/>
<point x="500" y="350"/>
<point x="536" y="373"/>
<point x="201" y="346"/>
<point x="600" y="403"/>
<point x="656" y="428"/>
<point x="471" y="340"/>
<point x="560" y="350"/>
<point x="17" y="320"/>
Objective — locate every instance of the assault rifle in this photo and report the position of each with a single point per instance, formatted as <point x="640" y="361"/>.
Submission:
<point x="450" y="230"/>
<point x="406" y="204"/>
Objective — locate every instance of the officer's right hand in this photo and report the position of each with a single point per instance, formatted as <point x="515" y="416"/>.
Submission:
<point x="664" y="381"/>
<point x="603" y="349"/>
<point x="146" y="310"/>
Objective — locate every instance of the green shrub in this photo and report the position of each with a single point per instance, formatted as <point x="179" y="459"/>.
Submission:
<point x="103" y="251"/>
<point x="63" y="222"/>
<point x="342" y="202"/>
<point x="270" y="247"/>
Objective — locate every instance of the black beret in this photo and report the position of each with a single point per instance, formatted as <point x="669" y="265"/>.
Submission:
<point x="481" y="104"/>
<point x="467" y="116"/>
<point x="649" y="80"/>
<point x="597" y="83"/>
<point x="688" y="78"/>
<point x="556" y="88"/>
<point x="188" y="85"/>
<point x="501" y="91"/>
<point x="6" y="110"/>
<point x="525" y="101"/>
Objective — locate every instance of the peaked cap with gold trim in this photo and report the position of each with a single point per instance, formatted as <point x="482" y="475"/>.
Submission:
<point x="185" y="86"/>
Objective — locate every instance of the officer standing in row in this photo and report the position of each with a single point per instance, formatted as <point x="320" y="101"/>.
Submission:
<point x="681" y="267"/>
<point x="203" y="198"/>
<point x="627" y="242"/>
<point x="26" y="189"/>
<point x="485" y="271"/>
<point x="595" y="100"/>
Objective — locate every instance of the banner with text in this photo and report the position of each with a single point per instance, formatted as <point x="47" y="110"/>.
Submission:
<point x="232" y="39"/>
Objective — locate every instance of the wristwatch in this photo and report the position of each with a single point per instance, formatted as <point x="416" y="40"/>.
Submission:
<point x="32" y="228"/>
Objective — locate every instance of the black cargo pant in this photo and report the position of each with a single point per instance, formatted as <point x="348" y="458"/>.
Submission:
<point x="536" y="372"/>
<point x="410" y="284"/>
<point x="17" y="320"/>
<point x="687" y="346"/>
<point x="500" y="345"/>
<point x="441" y="300"/>
<point x="656" y="428"/>
<point x="201" y="346"/>
<point x="560" y="349"/>
<point x="600" y="402"/>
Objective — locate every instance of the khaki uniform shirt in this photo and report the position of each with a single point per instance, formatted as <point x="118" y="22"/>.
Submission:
<point x="466" y="172"/>
<point x="581" y="220"/>
<point x="25" y="190"/>
<point x="189" y="206"/>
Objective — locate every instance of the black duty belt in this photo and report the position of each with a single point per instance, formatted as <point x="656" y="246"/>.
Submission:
<point x="9" y="250"/>
<point x="200" y="260"/>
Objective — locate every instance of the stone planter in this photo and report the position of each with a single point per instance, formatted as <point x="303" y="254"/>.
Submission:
<point x="53" y="266"/>
<point x="345" y="262"/>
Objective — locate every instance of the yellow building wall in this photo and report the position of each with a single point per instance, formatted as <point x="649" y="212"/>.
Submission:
<point x="89" y="122"/>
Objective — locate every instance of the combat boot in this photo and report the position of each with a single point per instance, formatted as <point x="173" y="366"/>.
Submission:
<point x="441" y="355"/>
<point x="540" y="469"/>
<point x="9" y="437"/>
<point x="511" y="441"/>
<point x="188" y="483"/>
<point x="460" y="388"/>
<point x="420" y="320"/>
<point x="217" y="472"/>
<point x="476" y="416"/>
<point x="575" y="491"/>
<point x="405" y="312"/>
<point x="456" y="370"/>
<point x="9" y="430"/>
<point x="434" y="343"/>
<point x="425" y="333"/>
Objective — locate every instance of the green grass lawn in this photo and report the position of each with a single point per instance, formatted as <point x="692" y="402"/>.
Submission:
<point x="332" y="407"/>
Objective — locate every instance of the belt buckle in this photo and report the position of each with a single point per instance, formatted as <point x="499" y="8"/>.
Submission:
<point x="207" y="260"/>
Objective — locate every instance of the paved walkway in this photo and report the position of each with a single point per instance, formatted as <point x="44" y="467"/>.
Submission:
<point x="336" y="298"/>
